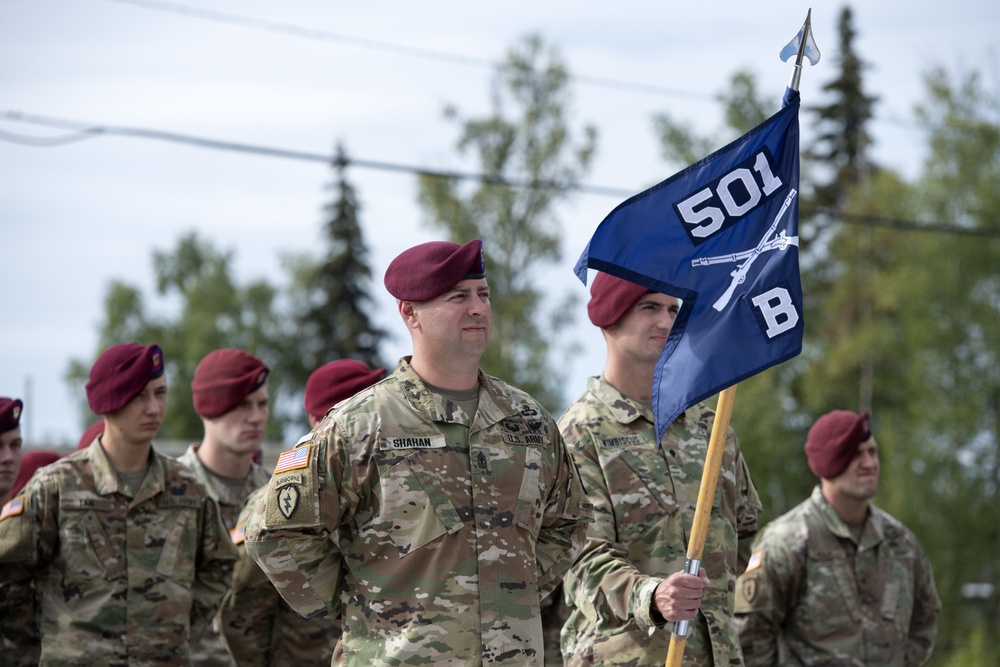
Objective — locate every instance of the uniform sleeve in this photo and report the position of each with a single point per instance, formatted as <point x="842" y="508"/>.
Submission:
<point x="28" y="535"/>
<point x="259" y="628"/>
<point x="215" y="568"/>
<point x="248" y="611"/>
<point x="564" y="523"/>
<point x="926" y="607"/>
<point x="603" y="583"/>
<point x="747" y="512"/>
<point x="293" y="534"/>
<point x="765" y="593"/>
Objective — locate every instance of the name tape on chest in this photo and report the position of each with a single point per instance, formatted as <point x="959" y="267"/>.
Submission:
<point x="414" y="442"/>
<point x="293" y="459"/>
<point x="622" y="441"/>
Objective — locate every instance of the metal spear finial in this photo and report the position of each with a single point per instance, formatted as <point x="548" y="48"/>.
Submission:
<point x="802" y="45"/>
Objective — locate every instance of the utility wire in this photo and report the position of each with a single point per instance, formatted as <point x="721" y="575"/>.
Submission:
<point x="266" y="25"/>
<point x="87" y="131"/>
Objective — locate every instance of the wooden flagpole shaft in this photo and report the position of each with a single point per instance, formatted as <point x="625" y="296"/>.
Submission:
<point x="703" y="509"/>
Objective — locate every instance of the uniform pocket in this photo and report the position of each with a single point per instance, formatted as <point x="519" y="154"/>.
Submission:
<point x="413" y="509"/>
<point x="528" y="511"/>
<point x="827" y="607"/>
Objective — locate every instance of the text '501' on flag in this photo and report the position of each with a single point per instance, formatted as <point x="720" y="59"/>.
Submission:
<point x="722" y="235"/>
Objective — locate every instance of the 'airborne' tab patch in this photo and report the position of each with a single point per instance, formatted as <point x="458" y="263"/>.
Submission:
<point x="13" y="507"/>
<point x="293" y="459"/>
<point x="414" y="442"/>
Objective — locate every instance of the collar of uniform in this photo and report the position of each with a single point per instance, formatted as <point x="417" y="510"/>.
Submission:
<point x="218" y="490"/>
<point x="495" y="404"/>
<point x="106" y="480"/>
<point x="622" y="408"/>
<point x="873" y="532"/>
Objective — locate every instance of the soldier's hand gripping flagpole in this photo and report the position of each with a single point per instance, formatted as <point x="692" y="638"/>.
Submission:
<point x="802" y="46"/>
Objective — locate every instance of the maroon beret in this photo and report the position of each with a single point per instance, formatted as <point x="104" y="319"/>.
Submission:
<point x="10" y="413"/>
<point x="834" y="439"/>
<point x="431" y="269"/>
<point x="30" y="462"/>
<point x="611" y="298"/>
<point x="94" y="430"/>
<point x="223" y="379"/>
<point x="333" y="382"/>
<point x="120" y="374"/>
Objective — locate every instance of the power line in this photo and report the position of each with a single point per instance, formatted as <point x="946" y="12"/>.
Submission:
<point x="89" y="131"/>
<point x="265" y="25"/>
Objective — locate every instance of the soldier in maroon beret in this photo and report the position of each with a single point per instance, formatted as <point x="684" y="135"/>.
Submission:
<point x="837" y="577"/>
<point x="10" y="444"/>
<point x="438" y="474"/>
<point x="119" y="538"/>
<point x="630" y="581"/>
<point x="230" y="394"/>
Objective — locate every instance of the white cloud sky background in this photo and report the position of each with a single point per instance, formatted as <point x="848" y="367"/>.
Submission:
<point x="74" y="218"/>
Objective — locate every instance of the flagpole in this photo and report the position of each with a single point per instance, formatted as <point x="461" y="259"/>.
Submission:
<point x="703" y="510"/>
<point x="802" y="46"/>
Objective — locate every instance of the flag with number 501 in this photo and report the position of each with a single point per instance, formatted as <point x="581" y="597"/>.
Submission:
<point x="722" y="236"/>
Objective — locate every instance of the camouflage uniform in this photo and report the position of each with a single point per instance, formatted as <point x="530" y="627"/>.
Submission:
<point x="210" y="650"/>
<point x="259" y="627"/>
<point x="644" y="498"/>
<point x="451" y="527"/>
<point x="813" y="595"/>
<point x="120" y="580"/>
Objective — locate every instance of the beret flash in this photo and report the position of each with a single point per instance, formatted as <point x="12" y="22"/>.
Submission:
<point x="338" y="380"/>
<point x="611" y="298"/>
<point x="120" y="374"/>
<point x="10" y="413"/>
<point x="223" y="379"/>
<point x="834" y="439"/>
<point x="431" y="269"/>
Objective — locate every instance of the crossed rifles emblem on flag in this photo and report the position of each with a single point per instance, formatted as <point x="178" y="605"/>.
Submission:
<point x="739" y="274"/>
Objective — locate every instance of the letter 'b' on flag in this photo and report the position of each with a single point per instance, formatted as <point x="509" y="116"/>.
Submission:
<point x="722" y="236"/>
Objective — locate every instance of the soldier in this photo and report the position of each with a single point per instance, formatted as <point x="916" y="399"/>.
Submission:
<point x="837" y="580"/>
<point x="230" y="395"/>
<point x="261" y="629"/>
<point x="10" y="445"/>
<point x="125" y="549"/>
<point x="446" y="494"/>
<point x="629" y="583"/>
<point x="30" y="463"/>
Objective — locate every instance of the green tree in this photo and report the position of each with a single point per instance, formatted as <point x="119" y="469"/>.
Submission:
<point x="331" y="296"/>
<point x="213" y="312"/>
<point x="525" y="139"/>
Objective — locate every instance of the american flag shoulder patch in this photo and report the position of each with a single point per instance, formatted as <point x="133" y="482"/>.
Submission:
<point x="756" y="560"/>
<point x="12" y="507"/>
<point x="293" y="459"/>
<point x="237" y="533"/>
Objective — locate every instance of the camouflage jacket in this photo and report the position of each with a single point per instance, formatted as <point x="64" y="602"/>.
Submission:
<point x="210" y="650"/>
<point x="259" y="628"/>
<point x="451" y="527"/>
<point x="644" y="498"/>
<point x="120" y="580"/>
<point x="812" y="595"/>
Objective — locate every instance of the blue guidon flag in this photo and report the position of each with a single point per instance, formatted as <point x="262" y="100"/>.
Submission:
<point x="722" y="236"/>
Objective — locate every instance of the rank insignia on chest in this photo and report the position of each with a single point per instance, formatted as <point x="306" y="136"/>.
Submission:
<point x="288" y="500"/>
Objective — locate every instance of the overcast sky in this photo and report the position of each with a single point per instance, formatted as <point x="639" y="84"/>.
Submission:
<point x="300" y="76"/>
